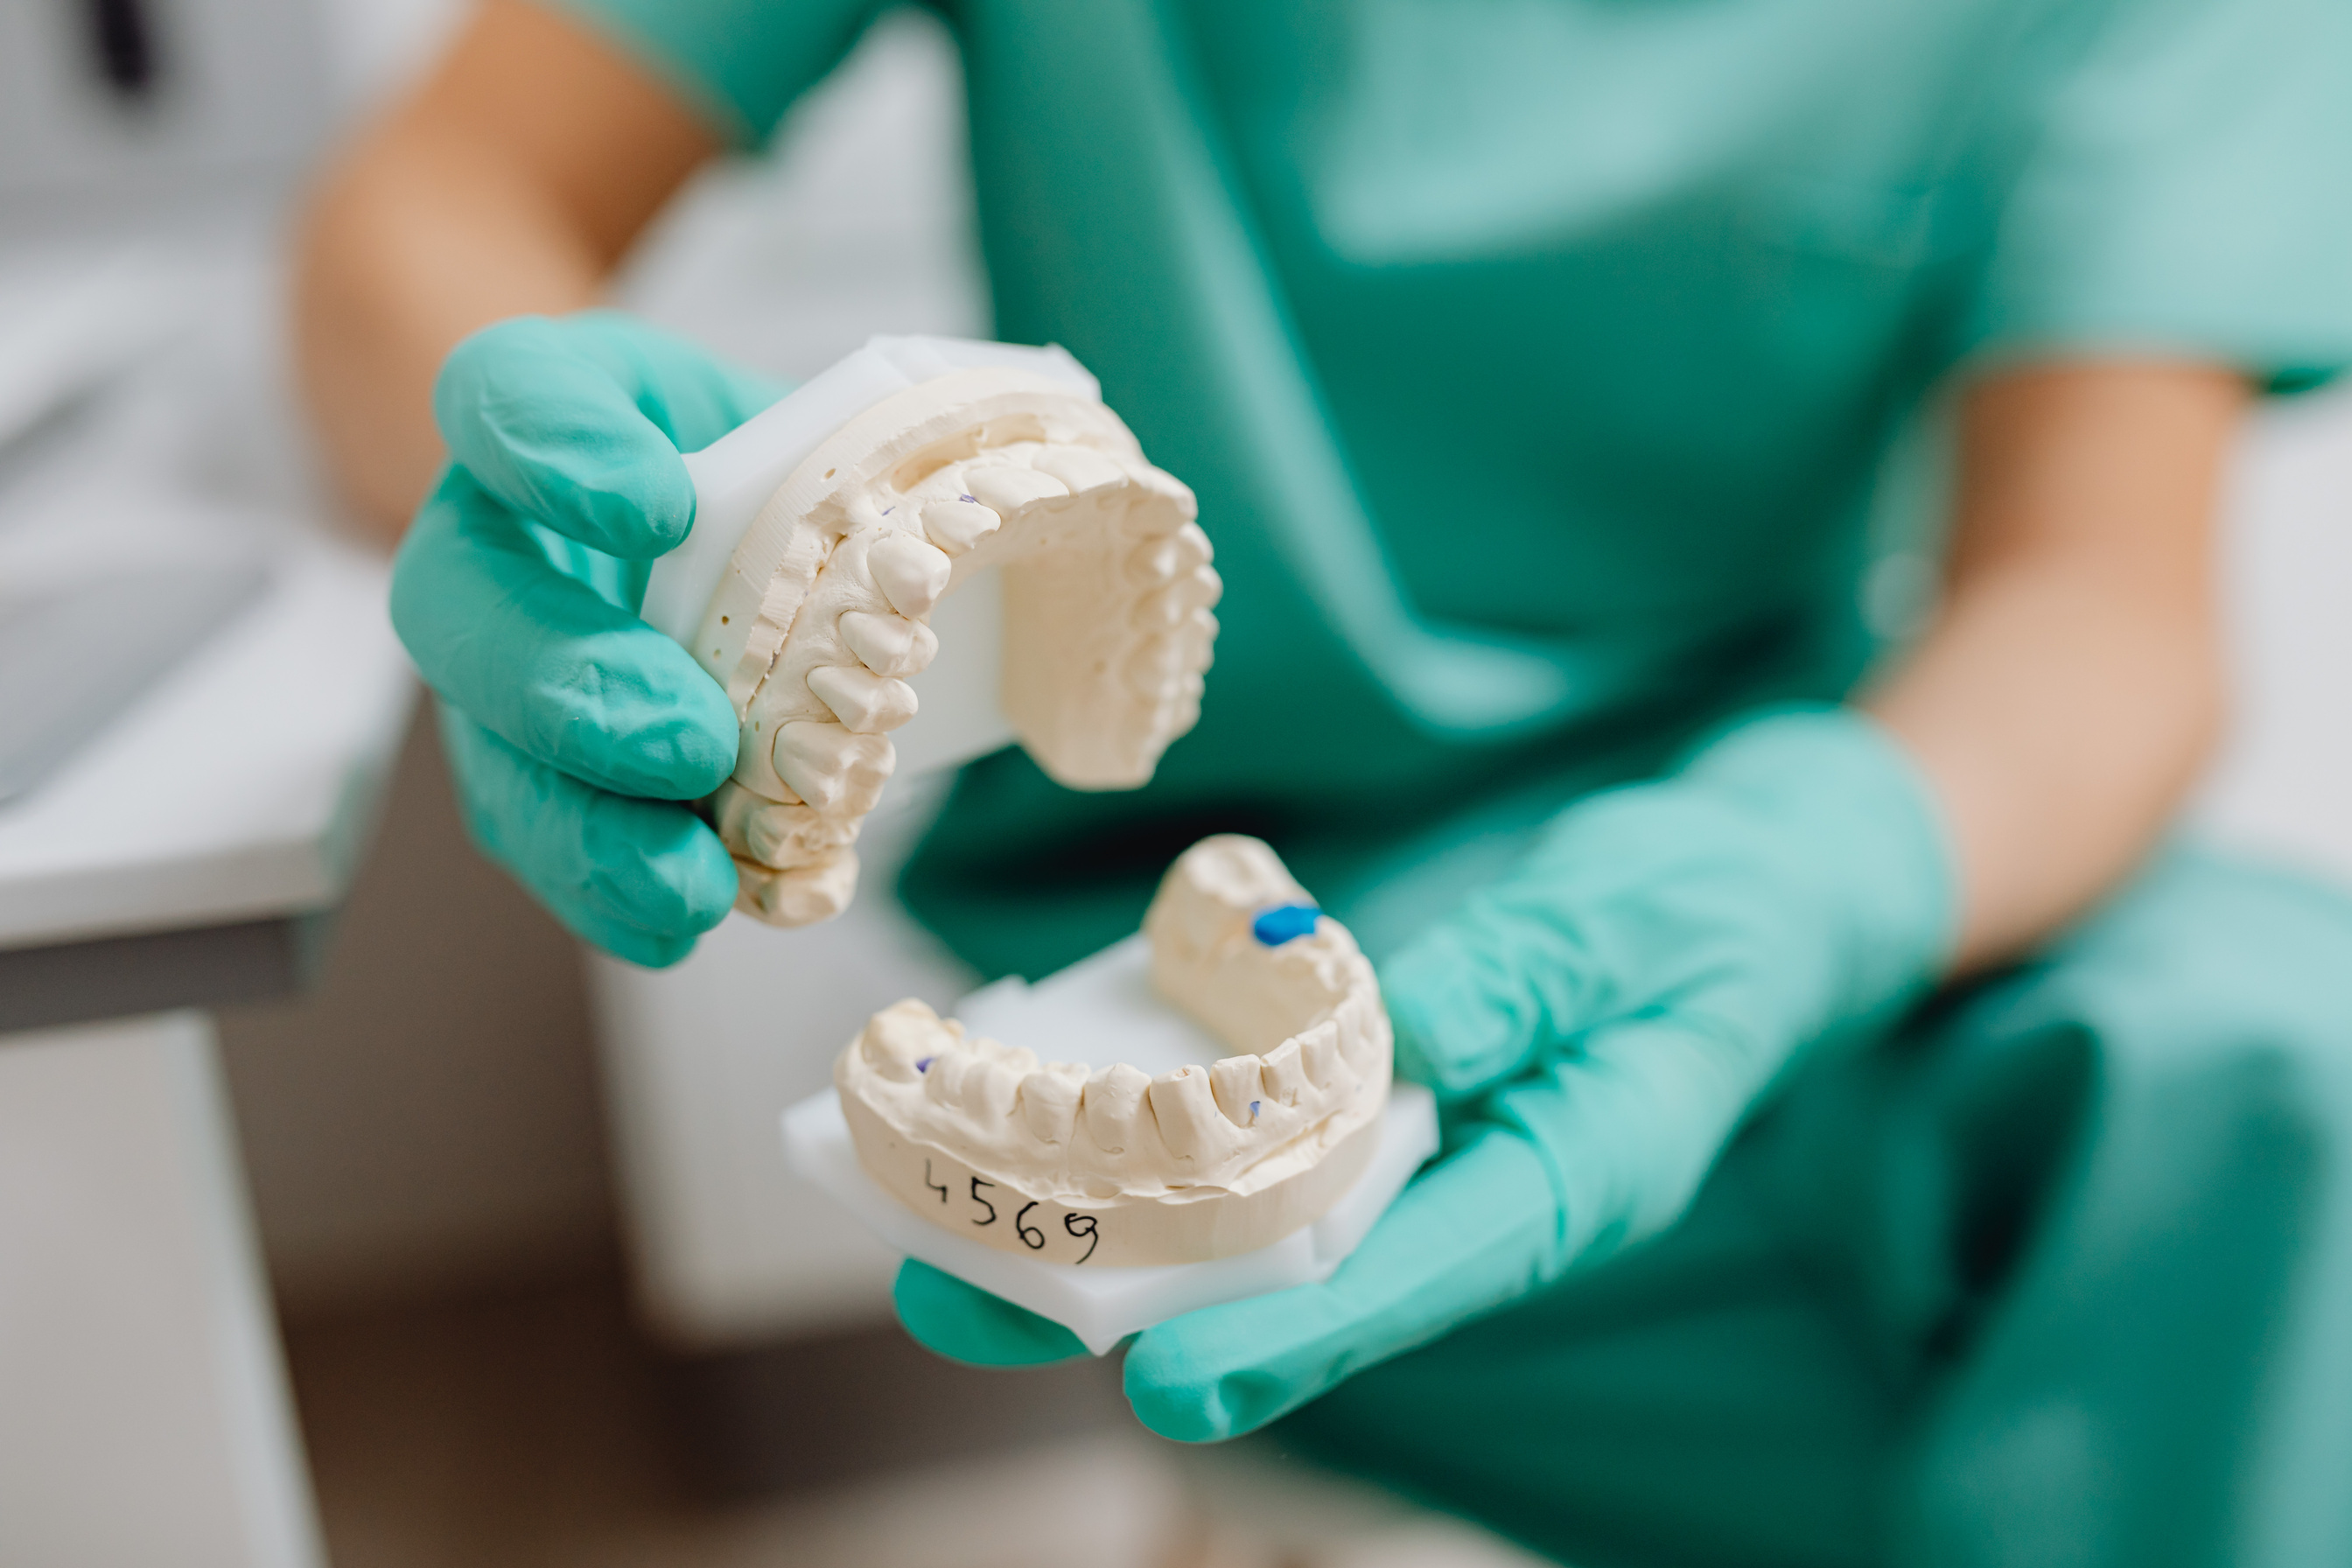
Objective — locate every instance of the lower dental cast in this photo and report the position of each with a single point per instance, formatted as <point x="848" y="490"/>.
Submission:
<point x="1109" y="1167"/>
<point x="822" y="611"/>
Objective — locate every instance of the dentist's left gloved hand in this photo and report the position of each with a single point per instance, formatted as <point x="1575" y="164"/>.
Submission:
<point x="576" y="732"/>
<point x="1600" y="1023"/>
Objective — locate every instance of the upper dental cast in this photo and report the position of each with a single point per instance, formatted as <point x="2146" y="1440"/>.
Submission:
<point x="1108" y="1167"/>
<point x="822" y="613"/>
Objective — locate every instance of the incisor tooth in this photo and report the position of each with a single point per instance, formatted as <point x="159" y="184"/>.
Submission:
<point x="1238" y="1088"/>
<point x="955" y="526"/>
<point x="911" y="574"/>
<point x="869" y="703"/>
<point x="1004" y="489"/>
<point x="890" y="644"/>
<point x="1188" y="1115"/>
<point x="833" y="769"/>
<point x="1285" y="1077"/>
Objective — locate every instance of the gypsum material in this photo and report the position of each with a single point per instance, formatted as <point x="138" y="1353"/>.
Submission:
<point x="821" y="611"/>
<point x="1204" y="1160"/>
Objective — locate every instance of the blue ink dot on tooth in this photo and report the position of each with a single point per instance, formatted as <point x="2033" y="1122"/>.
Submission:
<point x="975" y="499"/>
<point x="1254" y="1105"/>
<point x="1277" y="926"/>
<point x="925" y="1065"/>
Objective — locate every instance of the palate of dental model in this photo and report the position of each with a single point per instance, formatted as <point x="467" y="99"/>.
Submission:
<point x="1108" y="1167"/>
<point x="820" y="616"/>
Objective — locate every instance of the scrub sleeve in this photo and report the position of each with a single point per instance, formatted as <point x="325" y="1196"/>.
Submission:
<point x="1534" y="365"/>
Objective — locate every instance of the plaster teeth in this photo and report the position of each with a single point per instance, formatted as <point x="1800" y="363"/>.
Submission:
<point x="833" y="769"/>
<point x="1189" y="1122"/>
<point x="1238" y="1087"/>
<point x="869" y="703"/>
<point x="898" y="1036"/>
<point x="890" y="644"/>
<point x="1285" y="1075"/>
<point x="955" y="526"/>
<point x="800" y="896"/>
<point x="1206" y="1161"/>
<point x="911" y="574"/>
<point x="1004" y="489"/>
<point x="1049" y="1105"/>
<point x="774" y="834"/>
<point x="1154" y="664"/>
<point x="1080" y="468"/>
<point x="991" y="1087"/>
<point x="818" y="618"/>
<point x="1163" y="560"/>
<point x="1318" y="1052"/>
<point x="1171" y="607"/>
<point x="1110" y="1102"/>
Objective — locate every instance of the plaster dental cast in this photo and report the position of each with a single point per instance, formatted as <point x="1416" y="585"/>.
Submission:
<point x="1873" y="1133"/>
<point x="1204" y="1162"/>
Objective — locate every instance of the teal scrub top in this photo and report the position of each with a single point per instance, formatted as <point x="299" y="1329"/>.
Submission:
<point x="1536" y="361"/>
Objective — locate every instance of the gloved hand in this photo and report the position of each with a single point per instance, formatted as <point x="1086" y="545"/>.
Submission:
<point x="1598" y="1024"/>
<point x="572" y="726"/>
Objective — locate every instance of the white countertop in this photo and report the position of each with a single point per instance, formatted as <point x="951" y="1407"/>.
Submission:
<point x="243" y="783"/>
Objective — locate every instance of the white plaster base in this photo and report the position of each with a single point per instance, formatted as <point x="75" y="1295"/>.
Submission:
<point x="1103" y="1306"/>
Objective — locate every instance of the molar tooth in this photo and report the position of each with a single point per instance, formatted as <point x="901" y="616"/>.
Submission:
<point x="1285" y="1077"/>
<point x="911" y="574"/>
<point x="799" y="895"/>
<point x="1079" y="467"/>
<point x="1049" y="1105"/>
<point x="1164" y="559"/>
<point x="864" y="702"/>
<point x="955" y="526"/>
<point x="1005" y="490"/>
<point x="1238" y="1086"/>
<point x="1171" y="607"/>
<point x="833" y="769"/>
<point x="890" y="644"/>
<point x="1110" y="1102"/>
<point x="1172" y="505"/>
<point x="1182" y="1104"/>
<point x="1155" y="664"/>
<point x="898" y="1036"/>
<point x="781" y="836"/>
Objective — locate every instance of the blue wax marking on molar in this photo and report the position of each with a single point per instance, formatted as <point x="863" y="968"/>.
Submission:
<point x="1282" y="923"/>
<point x="888" y="510"/>
<point x="975" y="499"/>
<point x="925" y="1065"/>
<point x="1254" y="1105"/>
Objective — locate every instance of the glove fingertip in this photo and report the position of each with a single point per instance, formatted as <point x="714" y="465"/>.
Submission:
<point x="964" y="1323"/>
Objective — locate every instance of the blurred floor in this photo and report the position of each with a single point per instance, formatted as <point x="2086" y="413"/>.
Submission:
<point x="534" y="1427"/>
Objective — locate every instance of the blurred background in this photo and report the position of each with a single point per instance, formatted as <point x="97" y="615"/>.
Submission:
<point x="547" y="1292"/>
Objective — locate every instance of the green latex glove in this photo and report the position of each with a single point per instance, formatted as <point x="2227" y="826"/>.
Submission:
<point x="1598" y="1024"/>
<point x="574" y="727"/>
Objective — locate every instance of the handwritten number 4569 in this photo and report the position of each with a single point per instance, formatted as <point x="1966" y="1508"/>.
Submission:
<point x="1076" y="1225"/>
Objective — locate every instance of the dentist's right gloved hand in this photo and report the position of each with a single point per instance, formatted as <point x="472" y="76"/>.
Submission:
<point x="576" y="732"/>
